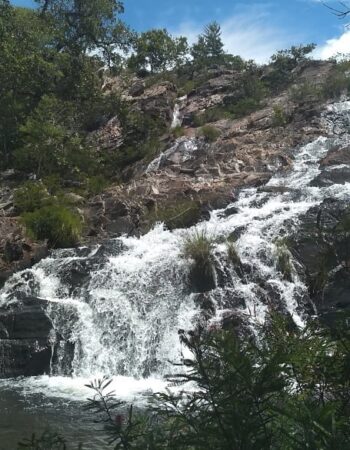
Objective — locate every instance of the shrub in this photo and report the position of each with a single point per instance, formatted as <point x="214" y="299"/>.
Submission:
<point x="336" y="84"/>
<point x="96" y="184"/>
<point x="178" y="132"/>
<point x="283" y="260"/>
<point x="56" y="224"/>
<point x="31" y="196"/>
<point x="287" y="389"/>
<point x="232" y="254"/>
<point x="198" y="247"/>
<point x="182" y="214"/>
<point x="188" y="87"/>
<point x="279" y="118"/>
<point x="305" y="92"/>
<point x="210" y="133"/>
<point x="210" y="115"/>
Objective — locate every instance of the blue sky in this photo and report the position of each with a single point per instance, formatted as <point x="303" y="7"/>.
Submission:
<point x="254" y="29"/>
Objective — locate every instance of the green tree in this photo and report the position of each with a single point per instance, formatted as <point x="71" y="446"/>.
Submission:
<point x="28" y="69"/>
<point x="51" y="140"/>
<point x="83" y="26"/>
<point x="284" y="61"/>
<point x="156" y="50"/>
<point x="209" y="49"/>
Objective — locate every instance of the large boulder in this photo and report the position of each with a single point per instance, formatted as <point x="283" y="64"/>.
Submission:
<point x="322" y="247"/>
<point x="26" y="339"/>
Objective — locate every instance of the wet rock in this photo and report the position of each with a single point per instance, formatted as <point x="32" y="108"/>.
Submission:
<point x="137" y="89"/>
<point x="332" y="176"/>
<point x="13" y="251"/>
<point x="336" y="157"/>
<point x="25" y="339"/>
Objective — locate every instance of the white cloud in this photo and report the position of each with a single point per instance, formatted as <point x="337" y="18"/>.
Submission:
<point x="248" y="34"/>
<point x="334" y="46"/>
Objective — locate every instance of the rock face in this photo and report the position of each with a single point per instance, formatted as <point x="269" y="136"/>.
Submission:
<point x="322" y="246"/>
<point x="17" y="251"/>
<point x="26" y="340"/>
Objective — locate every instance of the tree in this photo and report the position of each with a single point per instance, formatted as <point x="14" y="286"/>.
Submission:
<point x="342" y="13"/>
<point x="87" y="25"/>
<point x="284" y="61"/>
<point x="156" y="50"/>
<point x="209" y="49"/>
<point x="28" y="69"/>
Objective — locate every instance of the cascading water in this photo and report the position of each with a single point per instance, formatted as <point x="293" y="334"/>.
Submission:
<point x="123" y="303"/>
<point x="177" y="117"/>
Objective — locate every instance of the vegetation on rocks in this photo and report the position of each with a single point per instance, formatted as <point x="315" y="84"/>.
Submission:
<point x="210" y="133"/>
<point x="57" y="224"/>
<point x="198" y="248"/>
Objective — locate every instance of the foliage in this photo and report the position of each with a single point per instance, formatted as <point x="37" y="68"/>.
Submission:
<point x="178" y="131"/>
<point x="48" y="441"/>
<point x="287" y="390"/>
<point x="51" y="140"/>
<point x="30" y="196"/>
<point x="82" y="27"/>
<point x="209" y="48"/>
<point x="232" y="253"/>
<point x="283" y="63"/>
<point x="283" y="259"/>
<point x="157" y="51"/>
<point x="209" y="133"/>
<point x="56" y="224"/>
<point x="305" y="92"/>
<point x="96" y="184"/>
<point x="280" y="118"/>
<point x="337" y="83"/>
<point x="126" y="429"/>
<point x="198" y="249"/>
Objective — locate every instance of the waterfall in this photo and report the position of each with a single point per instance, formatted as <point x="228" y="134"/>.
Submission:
<point x="123" y="302"/>
<point x="177" y="117"/>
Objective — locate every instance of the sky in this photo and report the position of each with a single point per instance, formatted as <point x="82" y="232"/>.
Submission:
<point x="254" y="29"/>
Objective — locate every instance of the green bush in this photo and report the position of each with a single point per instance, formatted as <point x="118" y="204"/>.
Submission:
<point x="232" y="254"/>
<point x="284" y="259"/>
<point x="210" y="133"/>
<point x="96" y="184"/>
<point x="56" y="224"/>
<point x="337" y="83"/>
<point x="187" y="87"/>
<point x="31" y="196"/>
<point x="305" y="92"/>
<point x="178" y="132"/>
<point x="280" y="118"/>
<point x="288" y="389"/>
<point x="210" y="115"/>
<point x="198" y="246"/>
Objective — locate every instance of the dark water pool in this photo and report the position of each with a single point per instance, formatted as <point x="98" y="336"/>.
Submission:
<point x="23" y="414"/>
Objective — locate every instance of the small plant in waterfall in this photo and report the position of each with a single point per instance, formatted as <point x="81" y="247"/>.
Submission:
<point x="283" y="259"/>
<point x="232" y="253"/>
<point x="198" y="247"/>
